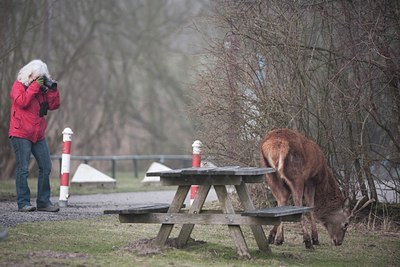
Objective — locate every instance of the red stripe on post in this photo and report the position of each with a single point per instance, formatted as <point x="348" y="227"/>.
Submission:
<point x="193" y="191"/>
<point x="64" y="179"/>
<point x="196" y="160"/>
<point x="66" y="147"/>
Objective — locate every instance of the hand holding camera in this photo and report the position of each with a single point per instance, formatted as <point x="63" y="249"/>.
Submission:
<point x="46" y="83"/>
<point x="40" y="80"/>
<point x="49" y="83"/>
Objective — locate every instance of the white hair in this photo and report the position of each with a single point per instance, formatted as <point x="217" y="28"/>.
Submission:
<point x="32" y="70"/>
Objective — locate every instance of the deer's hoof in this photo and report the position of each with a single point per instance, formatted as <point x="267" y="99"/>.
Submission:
<point x="315" y="242"/>
<point x="271" y="239"/>
<point x="308" y="244"/>
<point x="279" y="242"/>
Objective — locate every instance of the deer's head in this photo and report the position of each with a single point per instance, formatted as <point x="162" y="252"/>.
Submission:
<point x="338" y="221"/>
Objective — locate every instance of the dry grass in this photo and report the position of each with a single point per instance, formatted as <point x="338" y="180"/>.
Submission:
<point x="104" y="241"/>
<point x="373" y="241"/>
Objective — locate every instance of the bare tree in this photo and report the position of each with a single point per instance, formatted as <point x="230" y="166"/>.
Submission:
<point x="15" y="31"/>
<point x="328" y="69"/>
<point x="120" y="65"/>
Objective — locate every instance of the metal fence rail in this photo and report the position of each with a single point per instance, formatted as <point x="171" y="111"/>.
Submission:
<point x="185" y="160"/>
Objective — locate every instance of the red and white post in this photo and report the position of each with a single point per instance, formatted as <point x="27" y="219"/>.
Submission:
<point x="65" y="167"/>
<point x="196" y="162"/>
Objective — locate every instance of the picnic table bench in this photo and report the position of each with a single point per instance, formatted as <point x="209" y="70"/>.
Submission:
<point x="219" y="177"/>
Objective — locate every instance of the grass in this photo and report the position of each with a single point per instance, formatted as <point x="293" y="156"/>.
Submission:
<point x="125" y="183"/>
<point x="104" y="241"/>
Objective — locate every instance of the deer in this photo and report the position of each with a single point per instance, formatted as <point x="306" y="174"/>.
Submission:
<point x="301" y="171"/>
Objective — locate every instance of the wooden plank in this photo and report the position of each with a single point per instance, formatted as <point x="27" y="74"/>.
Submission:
<point x="200" y="171"/>
<point x="235" y="230"/>
<point x="204" y="219"/>
<point x="176" y="205"/>
<point x="210" y="180"/>
<point x="175" y="172"/>
<point x="277" y="211"/>
<point x="141" y="208"/>
<point x="286" y="218"/>
<point x="253" y="178"/>
<point x="228" y="170"/>
<point x="257" y="230"/>
<point x="253" y="171"/>
<point x="200" y="180"/>
<point x="229" y="175"/>
<point x="195" y="208"/>
<point x="211" y="171"/>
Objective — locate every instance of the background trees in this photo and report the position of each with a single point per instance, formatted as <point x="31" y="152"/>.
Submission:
<point x="122" y="67"/>
<point x="329" y="69"/>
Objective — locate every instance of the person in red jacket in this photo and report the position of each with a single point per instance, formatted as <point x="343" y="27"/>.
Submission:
<point x="32" y="95"/>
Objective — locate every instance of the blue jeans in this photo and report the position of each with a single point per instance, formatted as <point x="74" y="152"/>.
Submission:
<point x="23" y="149"/>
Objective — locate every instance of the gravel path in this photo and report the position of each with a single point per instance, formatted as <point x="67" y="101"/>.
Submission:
<point x="81" y="207"/>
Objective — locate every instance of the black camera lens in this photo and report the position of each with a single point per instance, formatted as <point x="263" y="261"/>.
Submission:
<point x="50" y="83"/>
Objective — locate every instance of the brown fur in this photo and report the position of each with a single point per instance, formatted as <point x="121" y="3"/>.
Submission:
<point x="302" y="171"/>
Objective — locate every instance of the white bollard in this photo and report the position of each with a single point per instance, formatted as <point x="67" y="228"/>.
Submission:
<point x="196" y="162"/>
<point x="65" y="167"/>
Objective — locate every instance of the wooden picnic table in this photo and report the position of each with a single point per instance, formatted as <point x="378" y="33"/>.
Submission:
<point x="219" y="178"/>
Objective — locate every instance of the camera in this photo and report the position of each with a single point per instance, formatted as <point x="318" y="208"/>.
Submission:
<point x="49" y="83"/>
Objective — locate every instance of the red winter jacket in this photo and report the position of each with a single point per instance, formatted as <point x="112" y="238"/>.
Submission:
<point x="25" y="121"/>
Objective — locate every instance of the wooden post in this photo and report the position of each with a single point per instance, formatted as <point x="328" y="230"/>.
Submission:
<point x="196" y="162"/>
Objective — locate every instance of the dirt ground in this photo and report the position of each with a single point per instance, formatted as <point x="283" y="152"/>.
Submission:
<point x="81" y="207"/>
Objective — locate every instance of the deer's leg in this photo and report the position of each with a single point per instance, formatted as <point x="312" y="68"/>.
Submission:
<point x="272" y="234"/>
<point x="281" y="193"/>
<point x="309" y="194"/>
<point x="279" y="230"/>
<point x="297" y="192"/>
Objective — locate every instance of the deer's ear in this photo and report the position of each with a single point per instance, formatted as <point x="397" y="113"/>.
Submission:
<point x="346" y="204"/>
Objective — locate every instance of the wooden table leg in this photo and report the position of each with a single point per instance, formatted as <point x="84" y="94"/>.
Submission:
<point x="176" y="206"/>
<point x="198" y="203"/>
<point x="235" y="230"/>
<point x="257" y="230"/>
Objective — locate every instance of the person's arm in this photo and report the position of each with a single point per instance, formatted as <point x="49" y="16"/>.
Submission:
<point x="53" y="98"/>
<point x="22" y="97"/>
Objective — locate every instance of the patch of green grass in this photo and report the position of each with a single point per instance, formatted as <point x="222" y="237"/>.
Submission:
<point x="104" y="241"/>
<point x="125" y="183"/>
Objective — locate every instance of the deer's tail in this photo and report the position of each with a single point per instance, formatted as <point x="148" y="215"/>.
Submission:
<point x="273" y="154"/>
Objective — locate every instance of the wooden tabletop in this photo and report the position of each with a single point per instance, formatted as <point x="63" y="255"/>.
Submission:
<point x="230" y="175"/>
<point x="227" y="170"/>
